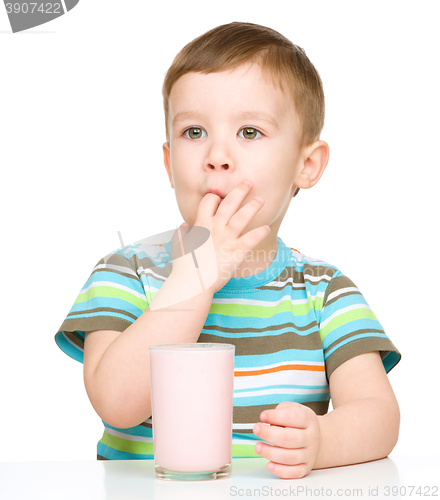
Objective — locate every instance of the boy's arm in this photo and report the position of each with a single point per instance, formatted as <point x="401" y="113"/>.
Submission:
<point x="363" y="426"/>
<point x="364" y="423"/>
<point x="117" y="365"/>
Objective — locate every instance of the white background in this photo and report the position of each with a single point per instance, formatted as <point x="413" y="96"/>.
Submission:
<point x="81" y="129"/>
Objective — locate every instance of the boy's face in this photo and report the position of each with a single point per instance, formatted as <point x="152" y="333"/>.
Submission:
<point x="228" y="127"/>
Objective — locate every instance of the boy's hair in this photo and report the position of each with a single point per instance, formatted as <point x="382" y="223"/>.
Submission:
<point x="230" y="45"/>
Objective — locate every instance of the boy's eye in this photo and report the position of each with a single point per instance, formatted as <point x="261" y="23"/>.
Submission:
<point x="197" y="133"/>
<point x="249" y="133"/>
<point x="193" y="132"/>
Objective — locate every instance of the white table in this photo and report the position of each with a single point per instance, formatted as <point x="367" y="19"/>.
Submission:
<point x="135" y="480"/>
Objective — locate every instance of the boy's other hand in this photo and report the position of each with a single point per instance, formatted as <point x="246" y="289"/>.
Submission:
<point x="294" y="432"/>
<point x="226" y="222"/>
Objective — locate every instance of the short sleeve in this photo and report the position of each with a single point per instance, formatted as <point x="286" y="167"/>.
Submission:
<point x="111" y="299"/>
<point x="348" y="327"/>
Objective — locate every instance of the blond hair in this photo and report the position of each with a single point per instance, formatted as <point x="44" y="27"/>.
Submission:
<point x="230" y="45"/>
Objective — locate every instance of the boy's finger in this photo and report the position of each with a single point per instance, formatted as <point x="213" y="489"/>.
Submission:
<point x="288" y="471"/>
<point x="285" y="437"/>
<point x="240" y="220"/>
<point x="291" y="416"/>
<point x="208" y="206"/>
<point x="279" y="455"/>
<point x="285" y="404"/>
<point x="233" y="200"/>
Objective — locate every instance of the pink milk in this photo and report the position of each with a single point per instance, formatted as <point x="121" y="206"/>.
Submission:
<point x="191" y="395"/>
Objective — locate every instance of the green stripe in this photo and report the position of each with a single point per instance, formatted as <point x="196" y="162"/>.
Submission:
<point x="244" y="450"/>
<point x="347" y="317"/>
<point x="120" y="444"/>
<point x="114" y="293"/>
<point x="141" y="448"/>
<point x="319" y="301"/>
<point x="243" y="310"/>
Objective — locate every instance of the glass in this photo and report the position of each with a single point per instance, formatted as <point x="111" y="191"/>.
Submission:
<point x="192" y="401"/>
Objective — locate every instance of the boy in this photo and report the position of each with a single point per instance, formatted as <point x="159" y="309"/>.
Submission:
<point x="244" y="109"/>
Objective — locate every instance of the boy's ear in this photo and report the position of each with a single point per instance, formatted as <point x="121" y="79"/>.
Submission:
<point x="315" y="159"/>
<point x="166" y="161"/>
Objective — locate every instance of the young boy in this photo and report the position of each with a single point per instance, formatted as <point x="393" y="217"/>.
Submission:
<point x="244" y="109"/>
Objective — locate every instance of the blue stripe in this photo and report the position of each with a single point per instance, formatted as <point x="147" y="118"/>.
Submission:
<point x="353" y="339"/>
<point x="389" y="360"/>
<point x="113" y="302"/>
<point x="343" y="302"/>
<point x="248" y="437"/>
<point x="151" y="281"/>
<point x="288" y="355"/>
<point x="351" y="327"/>
<point x="71" y="350"/>
<point x="107" y="302"/>
<point x="137" y="430"/>
<point x="274" y="318"/>
<point x="285" y="294"/>
<point x="281" y="386"/>
<point x="104" y="314"/>
<point x="112" y="454"/>
<point x="158" y="260"/>
<point x="113" y="277"/>
<point x="274" y="399"/>
<point x="230" y="322"/>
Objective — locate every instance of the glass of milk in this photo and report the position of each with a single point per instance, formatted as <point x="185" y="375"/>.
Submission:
<point x="192" y="401"/>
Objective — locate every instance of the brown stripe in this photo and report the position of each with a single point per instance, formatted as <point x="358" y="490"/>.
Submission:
<point x="265" y="344"/>
<point x="117" y="259"/>
<point x="163" y="271"/>
<point x="287" y="284"/>
<point x="346" y="294"/>
<point x="146" y="424"/>
<point x="356" y="348"/>
<point x="271" y="328"/>
<point x="100" y="457"/>
<point x="75" y="338"/>
<point x="251" y="414"/>
<point x="337" y="284"/>
<point x="92" y="324"/>
<point x="349" y="335"/>
<point x="291" y="272"/>
<point x="134" y="263"/>
<point x="120" y="273"/>
<point x="98" y="309"/>
<point x="319" y="271"/>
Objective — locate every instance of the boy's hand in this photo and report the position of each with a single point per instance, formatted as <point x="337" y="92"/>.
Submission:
<point x="226" y="222"/>
<point x="295" y="434"/>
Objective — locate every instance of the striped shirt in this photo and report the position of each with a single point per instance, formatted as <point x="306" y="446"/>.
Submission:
<point x="292" y="325"/>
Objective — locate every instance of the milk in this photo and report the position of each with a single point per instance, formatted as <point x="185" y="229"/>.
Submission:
<point x="191" y="395"/>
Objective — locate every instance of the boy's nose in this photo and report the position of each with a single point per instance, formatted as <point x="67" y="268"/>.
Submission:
<point x="225" y="166"/>
<point x="218" y="156"/>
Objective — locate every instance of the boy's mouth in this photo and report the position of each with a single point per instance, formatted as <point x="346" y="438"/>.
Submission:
<point x="217" y="192"/>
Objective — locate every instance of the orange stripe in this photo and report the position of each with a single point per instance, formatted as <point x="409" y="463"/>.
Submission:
<point x="295" y="249"/>
<point x="312" y="368"/>
<point x="74" y="339"/>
